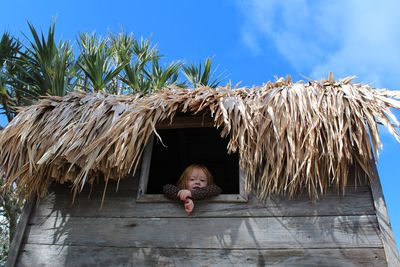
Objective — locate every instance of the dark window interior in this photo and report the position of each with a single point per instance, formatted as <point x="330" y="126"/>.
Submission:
<point x="192" y="145"/>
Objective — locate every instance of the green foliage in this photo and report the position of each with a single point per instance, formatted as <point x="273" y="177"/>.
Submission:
<point x="160" y="77"/>
<point x="10" y="208"/>
<point x="9" y="49"/>
<point x="46" y="67"/>
<point x="117" y="64"/>
<point x="4" y="244"/>
<point x="97" y="62"/>
<point x="144" y="74"/>
<point x="201" y="75"/>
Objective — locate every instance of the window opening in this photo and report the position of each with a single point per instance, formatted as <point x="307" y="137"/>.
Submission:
<point x="197" y="142"/>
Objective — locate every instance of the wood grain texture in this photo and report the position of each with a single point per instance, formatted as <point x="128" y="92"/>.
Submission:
<point x="20" y="232"/>
<point x="123" y="204"/>
<point x="54" y="255"/>
<point x="129" y="186"/>
<point x="125" y="185"/>
<point x="193" y="121"/>
<point x="382" y="215"/>
<point x="223" y="198"/>
<point x="337" y="230"/>
<point x="145" y="169"/>
<point x="233" y="233"/>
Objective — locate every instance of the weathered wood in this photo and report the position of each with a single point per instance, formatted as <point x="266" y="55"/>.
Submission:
<point x="355" y="202"/>
<point x="232" y="233"/>
<point x="145" y="170"/>
<point x="386" y="233"/>
<point x="20" y="231"/>
<point x="128" y="184"/>
<point x="242" y="184"/>
<point x="53" y="255"/>
<point x="227" y="198"/>
<point x="187" y="122"/>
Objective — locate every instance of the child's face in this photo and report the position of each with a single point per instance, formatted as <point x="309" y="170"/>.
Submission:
<point x="197" y="179"/>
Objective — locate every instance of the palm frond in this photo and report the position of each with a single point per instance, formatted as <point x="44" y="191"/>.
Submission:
<point x="96" y="61"/>
<point x="44" y="65"/>
<point x="201" y="74"/>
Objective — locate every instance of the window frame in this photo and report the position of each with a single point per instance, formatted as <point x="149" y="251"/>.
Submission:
<point x="179" y="123"/>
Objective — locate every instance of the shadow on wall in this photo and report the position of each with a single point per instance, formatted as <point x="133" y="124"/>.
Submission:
<point x="335" y="231"/>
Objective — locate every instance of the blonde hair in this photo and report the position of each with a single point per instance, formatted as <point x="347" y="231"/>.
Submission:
<point x="182" y="182"/>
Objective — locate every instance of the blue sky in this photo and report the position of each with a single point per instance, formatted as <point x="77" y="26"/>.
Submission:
<point x="252" y="41"/>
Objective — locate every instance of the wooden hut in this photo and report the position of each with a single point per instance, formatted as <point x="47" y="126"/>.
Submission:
<point x="295" y="161"/>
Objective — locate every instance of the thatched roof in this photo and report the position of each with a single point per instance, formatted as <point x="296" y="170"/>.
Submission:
<point x="291" y="137"/>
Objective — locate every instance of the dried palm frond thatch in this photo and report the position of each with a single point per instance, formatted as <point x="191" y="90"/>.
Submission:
<point x="291" y="137"/>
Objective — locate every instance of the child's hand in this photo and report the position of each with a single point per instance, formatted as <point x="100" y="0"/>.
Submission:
<point x="184" y="194"/>
<point x="189" y="205"/>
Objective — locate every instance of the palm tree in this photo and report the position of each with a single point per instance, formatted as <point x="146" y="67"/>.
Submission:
<point x="10" y="206"/>
<point x="122" y="47"/>
<point x="46" y="67"/>
<point x="9" y="50"/>
<point x="97" y="62"/>
<point x="144" y="74"/>
<point x="160" y="77"/>
<point x="201" y="75"/>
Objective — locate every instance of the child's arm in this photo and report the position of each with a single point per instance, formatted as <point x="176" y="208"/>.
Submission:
<point x="206" y="192"/>
<point x="189" y="205"/>
<point x="171" y="191"/>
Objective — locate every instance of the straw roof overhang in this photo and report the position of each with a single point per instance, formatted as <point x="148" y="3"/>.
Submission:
<point x="291" y="137"/>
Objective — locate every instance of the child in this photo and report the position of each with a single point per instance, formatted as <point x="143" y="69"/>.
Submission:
<point x="195" y="183"/>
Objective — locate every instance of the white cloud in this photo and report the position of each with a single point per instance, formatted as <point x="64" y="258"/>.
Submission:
<point x="347" y="37"/>
<point x="251" y="41"/>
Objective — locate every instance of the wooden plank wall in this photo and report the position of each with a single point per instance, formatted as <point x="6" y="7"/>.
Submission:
<point x="334" y="231"/>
